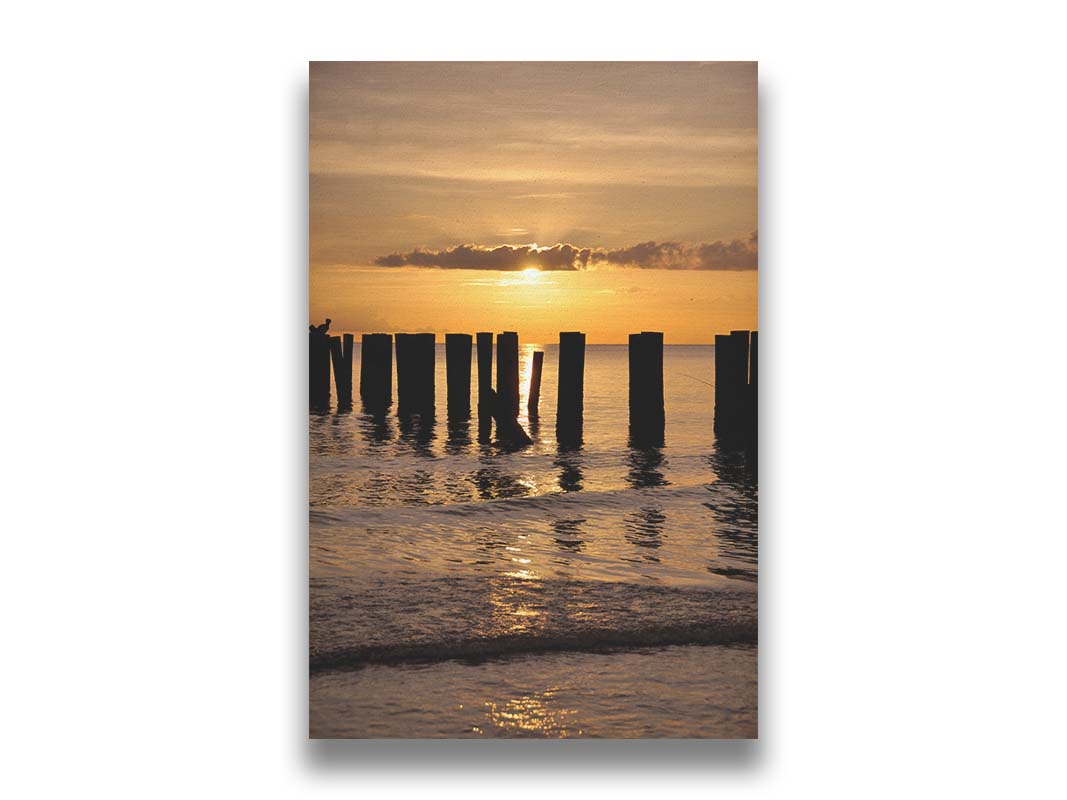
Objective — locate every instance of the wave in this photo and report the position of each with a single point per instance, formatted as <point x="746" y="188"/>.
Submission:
<point x="355" y="624"/>
<point x="585" y="641"/>
<point x="539" y="503"/>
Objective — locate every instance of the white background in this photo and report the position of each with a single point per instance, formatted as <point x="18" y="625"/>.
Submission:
<point x="154" y="191"/>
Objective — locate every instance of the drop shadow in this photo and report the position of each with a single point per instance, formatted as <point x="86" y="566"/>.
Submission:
<point x="505" y="757"/>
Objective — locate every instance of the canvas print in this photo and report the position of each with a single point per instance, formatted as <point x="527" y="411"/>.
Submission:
<point x="533" y="391"/>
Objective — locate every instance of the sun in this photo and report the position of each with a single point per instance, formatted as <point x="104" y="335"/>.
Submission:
<point x="531" y="275"/>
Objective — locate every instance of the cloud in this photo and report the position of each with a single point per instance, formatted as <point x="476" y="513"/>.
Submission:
<point x="736" y="254"/>
<point x="506" y="258"/>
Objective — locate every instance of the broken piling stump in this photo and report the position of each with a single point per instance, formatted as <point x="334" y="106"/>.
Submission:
<point x="535" y="383"/>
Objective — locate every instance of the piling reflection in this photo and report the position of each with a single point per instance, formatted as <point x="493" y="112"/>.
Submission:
<point x="646" y="465"/>
<point x="644" y="529"/>
<point x="735" y="511"/>
<point x="569" y="462"/>
<point x="458" y="437"/>
<point x="533" y="422"/>
<point x="417" y="433"/>
<point x="376" y="429"/>
<point x="492" y="481"/>
<point x="567" y="534"/>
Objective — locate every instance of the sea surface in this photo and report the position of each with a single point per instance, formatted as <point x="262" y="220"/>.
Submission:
<point x="460" y="588"/>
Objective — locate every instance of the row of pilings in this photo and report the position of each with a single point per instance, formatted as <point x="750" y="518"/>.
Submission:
<point x="736" y="386"/>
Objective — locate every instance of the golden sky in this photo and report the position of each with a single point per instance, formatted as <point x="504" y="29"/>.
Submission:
<point x="537" y="197"/>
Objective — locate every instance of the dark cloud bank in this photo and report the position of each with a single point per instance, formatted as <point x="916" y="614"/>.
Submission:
<point x="736" y="254"/>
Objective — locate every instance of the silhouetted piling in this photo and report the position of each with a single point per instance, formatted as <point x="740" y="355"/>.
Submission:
<point x="344" y="393"/>
<point x="753" y="391"/>
<point x="415" y="373"/>
<point x="571" y="392"/>
<point x="337" y="357"/>
<point x="458" y="374"/>
<point x="485" y="386"/>
<point x="733" y="395"/>
<point x="646" y="388"/>
<point x="405" y="371"/>
<point x="485" y="375"/>
<point x="425" y="347"/>
<point x="535" y="384"/>
<point x="507" y="371"/>
<point x="318" y="370"/>
<point x="376" y="371"/>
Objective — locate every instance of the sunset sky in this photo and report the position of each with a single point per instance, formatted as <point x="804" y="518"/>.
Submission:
<point x="537" y="197"/>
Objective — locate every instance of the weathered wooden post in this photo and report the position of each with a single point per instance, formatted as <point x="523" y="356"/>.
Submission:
<point x="507" y="371"/>
<point x="571" y="392"/>
<point x="753" y="390"/>
<point x="458" y="374"/>
<point x="425" y="365"/>
<point x="647" y="415"/>
<point x="318" y="370"/>
<point x="739" y="380"/>
<point x="338" y="359"/>
<point x="365" y="362"/>
<point x="485" y="374"/>
<point x="405" y="372"/>
<point x="485" y="386"/>
<point x="344" y="392"/>
<point x="731" y="385"/>
<point x="376" y="371"/>
<point x="535" y="383"/>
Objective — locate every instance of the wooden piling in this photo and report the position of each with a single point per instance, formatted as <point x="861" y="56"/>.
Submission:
<point x="344" y="394"/>
<point x="458" y="374"/>
<point x="485" y="375"/>
<point x="647" y="415"/>
<point x="405" y="371"/>
<point x="571" y="392"/>
<point x="376" y="371"/>
<point x="507" y="371"/>
<point x="535" y="383"/>
<point x="365" y="360"/>
<point x="753" y="391"/>
<point x="426" y="363"/>
<point x="485" y="386"/>
<point x="731" y="385"/>
<point x="318" y="371"/>
<point x="338" y="360"/>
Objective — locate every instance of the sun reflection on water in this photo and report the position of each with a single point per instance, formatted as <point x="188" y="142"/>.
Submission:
<point x="535" y="714"/>
<point x="516" y="601"/>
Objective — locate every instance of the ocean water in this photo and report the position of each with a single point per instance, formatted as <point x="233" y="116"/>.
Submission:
<point x="463" y="589"/>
